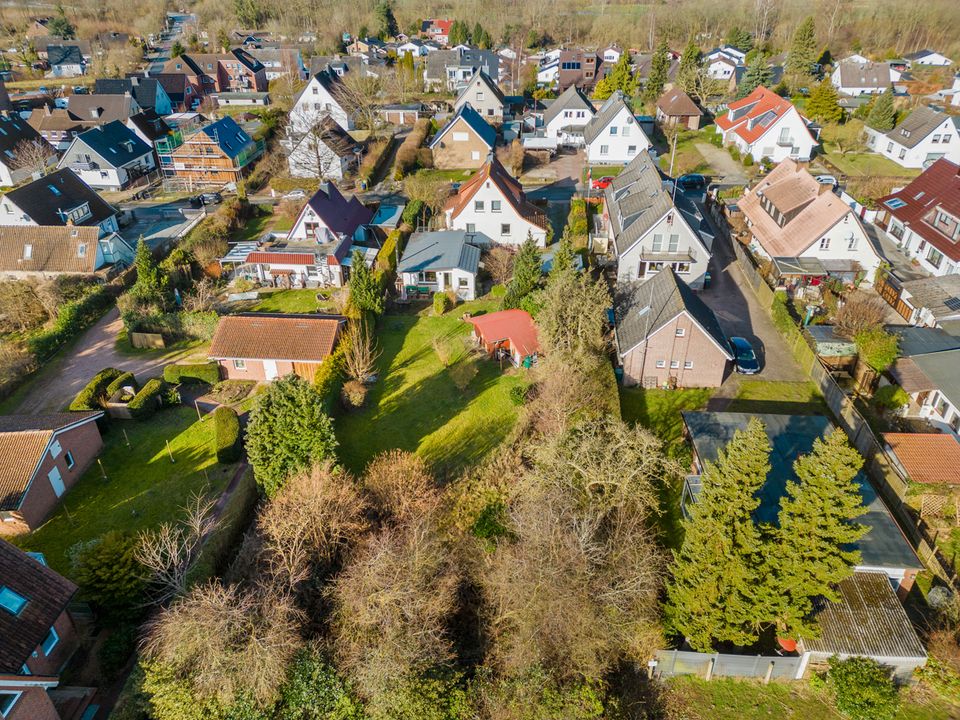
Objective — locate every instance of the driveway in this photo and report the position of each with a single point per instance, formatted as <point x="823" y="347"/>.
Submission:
<point x="901" y="265"/>
<point x="728" y="170"/>
<point x="57" y="384"/>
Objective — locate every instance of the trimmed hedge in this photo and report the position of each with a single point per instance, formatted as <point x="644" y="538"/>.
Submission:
<point x="578" y="222"/>
<point x="72" y="319"/>
<point x="96" y="390"/>
<point x="376" y="156"/>
<point x="387" y="257"/>
<point x="407" y="155"/>
<point x="226" y="426"/>
<point x="146" y="402"/>
<point x="190" y="374"/>
<point x="127" y="378"/>
<point x="411" y="213"/>
<point x="328" y="379"/>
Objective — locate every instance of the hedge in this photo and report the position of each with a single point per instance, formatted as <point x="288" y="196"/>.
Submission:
<point x="328" y="379"/>
<point x="190" y="374"/>
<point x="577" y="220"/>
<point x="227" y="433"/>
<point x="96" y="390"/>
<point x="387" y="257"/>
<point x="127" y="378"/>
<point x="411" y="213"/>
<point x="72" y="319"/>
<point x="407" y="155"/>
<point x="441" y="303"/>
<point x="146" y="402"/>
<point x="376" y="156"/>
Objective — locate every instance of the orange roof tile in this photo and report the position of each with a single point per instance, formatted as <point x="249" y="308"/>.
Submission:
<point x="259" y="336"/>
<point x="927" y="457"/>
<point x="509" y="187"/>
<point x="763" y="101"/>
<point x="513" y="325"/>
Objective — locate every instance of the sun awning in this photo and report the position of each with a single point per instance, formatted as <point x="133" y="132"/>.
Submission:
<point x="799" y="266"/>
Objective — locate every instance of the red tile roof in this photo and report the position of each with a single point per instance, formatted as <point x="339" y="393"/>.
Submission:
<point x="937" y="186"/>
<point x="513" y="325"/>
<point x="302" y="338"/>
<point x="508" y="186"/>
<point x="763" y="101"/>
<point x="282" y="258"/>
<point x="927" y="457"/>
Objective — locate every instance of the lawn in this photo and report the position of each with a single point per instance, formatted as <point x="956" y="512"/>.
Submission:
<point x="292" y="301"/>
<point x="449" y="175"/>
<point x="599" y="171"/>
<point x="784" y="398"/>
<point x="866" y="164"/>
<point x="260" y="224"/>
<point x="452" y="413"/>
<point x="725" y="699"/>
<point x="142" y="487"/>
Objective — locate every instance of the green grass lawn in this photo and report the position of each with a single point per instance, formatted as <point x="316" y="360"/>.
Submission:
<point x="291" y="301"/>
<point x="143" y="488"/>
<point x="866" y="164"/>
<point x="451" y="413"/>
<point x="599" y="171"/>
<point x="449" y="175"/>
<point x="786" y="398"/>
<point x="255" y="227"/>
<point x="176" y="351"/>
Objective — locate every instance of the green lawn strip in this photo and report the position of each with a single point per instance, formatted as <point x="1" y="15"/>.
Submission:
<point x="450" y="175"/>
<point x="866" y="164"/>
<point x="780" y="398"/>
<point x="174" y="351"/>
<point x="255" y="227"/>
<point x="291" y="301"/>
<point x="599" y="171"/>
<point x="143" y="488"/>
<point x="451" y="415"/>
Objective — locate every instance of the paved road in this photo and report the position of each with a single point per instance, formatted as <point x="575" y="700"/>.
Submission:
<point x="94" y="351"/>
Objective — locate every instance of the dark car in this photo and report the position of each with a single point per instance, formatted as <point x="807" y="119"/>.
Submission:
<point x="213" y="198"/>
<point x="692" y="183"/>
<point x="744" y="358"/>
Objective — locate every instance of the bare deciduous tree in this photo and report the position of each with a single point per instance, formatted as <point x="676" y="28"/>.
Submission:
<point x="360" y="95"/>
<point x="313" y="153"/>
<point x="360" y="351"/>
<point x="859" y="312"/>
<point x="431" y="191"/>
<point x="202" y="297"/>
<point x="33" y="155"/>
<point x="499" y="263"/>
<point x="400" y="485"/>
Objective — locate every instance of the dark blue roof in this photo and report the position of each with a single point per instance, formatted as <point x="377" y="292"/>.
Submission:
<point x="115" y="143"/>
<point x="231" y="138"/>
<point x="476" y="123"/>
<point x="64" y="55"/>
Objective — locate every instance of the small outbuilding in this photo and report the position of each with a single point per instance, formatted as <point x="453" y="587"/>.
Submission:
<point x="931" y="458"/>
<point x="676" y="108"/>
<point x="508" y="333"/>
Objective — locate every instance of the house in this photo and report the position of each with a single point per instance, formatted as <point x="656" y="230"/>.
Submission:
<point x="929" y="58"/>
<point x="65" y="61"/>
<point x="109" y="157"/>
<point x="148" y="92"/>
<point x="22" y="150"/>
<point x="611" y="54"/>
<point x="320" y="98"/>
<point x="58" y="127"/>
<point x="179" y="90"/>
<point x="578" y="67"/>
<point x="765" y="125"/>
<point x="440" y="261"/>
<point x="37" y="637"/>
<point x="920" y="139"/>
<point x="452" y="69"/>
<point x="262" y="347"/>
<point x="464" y="142"/>
<point x="60" y="198"/>
<point x="414" y="47"/>
<point x="612" y="135"/>
<point x="932" y="382"/>
<point x="566" y="117"/>
<point x="218" y="153"/>
<point x="492" y="203"/>
<point x="367" y="46"/>
<point x="484" y="96"/>
<point x="101" y="109"/>
<point x="643" y="62"/>
<point x="437" y="30"/>
<point x="280" y="62"/>
<point x="149" y="127"/>
<point x="721" y="66"/>
<point x="507" y="333"/>
<point x="857" y="76"/>
<point x="666" y="336"/>
<point x="923" y="218"/>
<point x="931" y="301"/>
<point x="43" y="44"/>
<point x="326" y="151"/>
<point x="327" y="216"/>
<point x="42" y="457"/>
<point x="234" y="71"/>
<point x="675" y="107"/>
<point x="793" y="217"/>
<point x="652" y="228"/>
<point x="883" y="548"/>
<point x="35" y="251"/>
<point x="929" y="458"/>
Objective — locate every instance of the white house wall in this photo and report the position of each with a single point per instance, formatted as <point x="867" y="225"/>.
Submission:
<point x="316" y="103"/>
<point x="916" y="248"/>
<point x="767" y="145"/>
<point x="915" y="157"/>
<point x="688" y="242"/>
<point x="489" y="222"/>
<point x="465" y="291"/>
<point x="621" y="147"/>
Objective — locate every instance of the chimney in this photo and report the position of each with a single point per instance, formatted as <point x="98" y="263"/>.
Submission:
<point x="46" y="111"/>
<point x="135" y="81"/>
<point x="95" y="112"/>
<point x="823" y="188"/>
<point x="126" y="94"/>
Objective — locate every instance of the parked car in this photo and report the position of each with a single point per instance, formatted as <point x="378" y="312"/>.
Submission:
<point x="744" y="358"/>
<point x="827" y="180"/>
<point x="206" y="199"/>
<point x="81" y="90"/>
<point x="602" y="183"/>
<point x="295" y="195"/>
<point x="692" y="183"/>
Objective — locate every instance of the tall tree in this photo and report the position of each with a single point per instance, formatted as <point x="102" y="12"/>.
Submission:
<point x="151" y="281"/>
<point x="740" y="39"/>
<point x="573" y="315"/>
<point x="59" y="26"/>
<point x="803" y="51"/>
<point x="715" y="591"/>
<point x="250" y="13"/>
<point x="883" y="116"/>
<point x="823" y="103"/>
<point x="527" y="269"/>
<point x="816" y="529"/>
<point x="366" y="294"/>
<point x="659" y="69"/>
<point x="758" y="73"/>
<point x="177" y="49"/>
<point x="620" y="78"/>
<point x="690" y="74"/>
<point x="459" y="33"/>
<point x="386" y="20"/>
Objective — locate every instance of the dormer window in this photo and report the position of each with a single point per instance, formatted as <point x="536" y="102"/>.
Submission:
<point x="27" y="251"/>
<point x="12" y="602"/>
<point x="79" y="213"/>
<point x="82" y="250"/>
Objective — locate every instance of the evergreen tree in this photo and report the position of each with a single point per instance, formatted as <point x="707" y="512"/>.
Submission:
<point x="459" y="34"/>
<point x="366" y="294"/>
<point x="603" y="89"/>
<point x="715" y="591"/>
<point x="176" y="49"/>
<point x="740" y="39"/>
<point x="621" y="78"/>
<point x="386" y="20"/>
<point x="689" y="68"/>
<point x="758" y="73"/>
<point x="883" y="116"/>
<point x="803" y="51"/>
<point x="563" y="256"/>
<point x="60" y="27"/>
<point x="527" y="270"/>
<point x="823" y="103"/>
<point x="151" y="281"/>
<point x="659" y="68"/>
<point x="815" y="530"/>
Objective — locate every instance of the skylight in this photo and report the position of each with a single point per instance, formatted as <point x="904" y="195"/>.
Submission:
<point x="895" y="203"/>
<point x="11" y="601"/>
<point x="54" y="189"/>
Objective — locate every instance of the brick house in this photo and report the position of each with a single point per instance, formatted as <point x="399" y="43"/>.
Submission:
<point x="579" y="67"/>
<point x="37" y="636"/>
<point x="264" y="347"/>
<point x="41" y="458"/>
<point x="464" y="142"/>
<point x="667" y="336"/>
<point x="209" y="73"/>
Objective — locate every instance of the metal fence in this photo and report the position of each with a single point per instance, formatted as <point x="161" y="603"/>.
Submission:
<point x="707" y="665"/>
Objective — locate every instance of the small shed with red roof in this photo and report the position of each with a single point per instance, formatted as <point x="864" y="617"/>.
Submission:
<point x="511" y="332"/>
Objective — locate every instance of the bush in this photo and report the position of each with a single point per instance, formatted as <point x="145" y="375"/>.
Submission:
<point x="498" y="291"/>
<point x="226" y="426"/>
<point x="146" y="402"/>
<point x="117" y="650"/>
<point x="748" y="160"/>
<point x="313" y="690"/>
<point x="862" y="689"/>
<point x="577" y="221"/>
<point x="353" y="395"/>
<point x="441" y="303"/>
<point x="518" y="394"/>
<point x="411" y="213"/>
<point x="425" y="158"/>
<point x="374" y="159"/>
<point x="189" y="374"/>
<point x="108" y="573"/>
<point x="127" y="379"/>
<point x="734" y="152"/>
<point x="387" y="257"/>
<point x="891" y="397"/>
<point x="92" y="396"/>
<point x="72" y="319"/>
<point x="328" y="380"/>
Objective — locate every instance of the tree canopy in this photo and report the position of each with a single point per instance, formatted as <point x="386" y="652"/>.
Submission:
<point x="823" y="103"/>
<point x="366" y="293"/>
<point x="758" y="73"/>
<point x="527" y="270"/>
<point x="659" y="69"/>
<point x="883" y="114"/>
<point x="803" y="51"/>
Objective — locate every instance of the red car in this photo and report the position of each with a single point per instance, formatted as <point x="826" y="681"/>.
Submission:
<point x="601" y="183"/>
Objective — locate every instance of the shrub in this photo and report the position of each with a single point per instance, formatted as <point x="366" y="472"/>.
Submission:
<point x="353" y="395"/>
<point x="226" y="426"/>
<point x="862" y="689"/>
<point x="891" y="397"/>
<point x="109" y="574"/>
<point x="518" y="394"/>
<point x="374" y="159"/>
<point x="146" y="402"/>
<point x="314" y="690"/>
<point x="72" y="319"/>
<point x="748" y="160"/>
<point x="123" y="380"/>
<point x="92" y="396"/>
<point x="328" y="380"/>
<point x="425" y="157"/>
<point x="407" y="155"/>
<point x="116" y="650"/>
<point x="498" y="291"/>
<point x="441" y="303"/>
<point x="411" y="213"/>
<point x="189" y="374"/>
<point x="734" y="152"/>
<point x="877" y="348"/>
<point x="577" y="220"/>
<point x="387" y="257"/>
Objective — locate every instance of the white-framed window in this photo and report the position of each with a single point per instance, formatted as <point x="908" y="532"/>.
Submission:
<point x="936" y="139"/>
<point x="82" y="250"/>
<point x="495" y="206"/>
<point x="613" y="130"/>
<point x="852" y="242"/>
<point x="661" y="363"/>
<point x="626" y="131"/>
<point x="239" y="364"/>
<point x="682" y="268"/>
<point x="27" y="251"/>
<point x="11" y="601"/>
<point x="68" y="458"/>
<point x="460" y="137"/>
<point x="825" y="243"/>
<point x="478" y="206"/>
<point x="947" y="138"/>
<point x="674" y="244"/>
<point x="7" y="700"/>
<point x="681" y="332"/>
<point x="505" y="228"/>
<point x="688" y="364"/>
<point x="479" y="95"/>
<point x="463" y="282"/>
<point x="674" y="364"/>
<point x="657" y="243"/>
<point x="50" y="642"/>
<point x="604" y="149"/>
<point x="474" y="154"/>
<point x="631" y="150"/>
<point x="471" y="227"/>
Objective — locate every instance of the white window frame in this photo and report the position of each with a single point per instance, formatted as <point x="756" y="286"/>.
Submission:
<point x="824" y="243"/>
<point x="16" y="698"/>
<point x="478" y="206"/>
<point x="56" y="641"/>
<point x="681" y="332"/>
<point x="674" y="364"/>
<point x="495" y="206"/>
<point x="504" y="229"/>
<point x="661" y="364"/>
<point x="688" y="364"/>
<point x="239" y="364"/>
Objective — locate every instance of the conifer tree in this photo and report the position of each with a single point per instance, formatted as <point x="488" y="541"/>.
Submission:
<point x="689" y="68"/>
<point x="563" y="256"/>
<point x="151" y="282"/>
<point x="621" y="78"/>
<point x="823" y="103"/>
<point x="883" y="116"/>
<point x="527" y="269"/>
<point x="659" y="68"/>
<point x="740" y="39"/>
<point x="386" y="20"/>
<point x="803" y="51"/>
<point x="816" y="529"/>
<point x="459" y="34"/>
<point x="715" y="591"/>
<point x="757" y="73"/>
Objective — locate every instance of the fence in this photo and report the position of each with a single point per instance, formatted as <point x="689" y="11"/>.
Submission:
<point x="671" y="663"/>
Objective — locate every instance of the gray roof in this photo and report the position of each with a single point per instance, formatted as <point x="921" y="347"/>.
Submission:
<point x="64" y="55"/>
<point x="883" y="545"/>
<point x="642" y="308"/>
<point x="470" y="116"/>
<point x="570" y="99"/>
<point x="940" y="295"/>
<point x="115" y="143"/>
<point x="143" y="89"/>
<point x="941" y="369"/>
<point x="922" y="340"/>
<point x="867" y="620"/>
<point x="854" y="74"/>
<point x="482" y="77"/>
<point x="912" y="130"/>
<point x="607" y="112"/>
<point x="440" y="250"/>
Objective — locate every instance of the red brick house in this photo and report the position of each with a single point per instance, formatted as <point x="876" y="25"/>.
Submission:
<point x="666" y="336"/>
<point x="209" y="73"/>
<point x="264" y="347"/>
<point x="37" y="638"/>
<point x="41" y="458"/>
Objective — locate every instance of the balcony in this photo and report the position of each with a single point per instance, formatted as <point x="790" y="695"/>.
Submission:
<point x="80" y="166"/>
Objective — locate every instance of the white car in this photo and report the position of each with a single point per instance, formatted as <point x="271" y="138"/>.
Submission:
<point x="827" y="180"/>
<point x="295" y="195"/>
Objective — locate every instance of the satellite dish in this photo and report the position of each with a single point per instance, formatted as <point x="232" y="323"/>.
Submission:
<point x="630" y="120"/>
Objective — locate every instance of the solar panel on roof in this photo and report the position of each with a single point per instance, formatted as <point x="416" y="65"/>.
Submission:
<point x="953" y="303"/>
